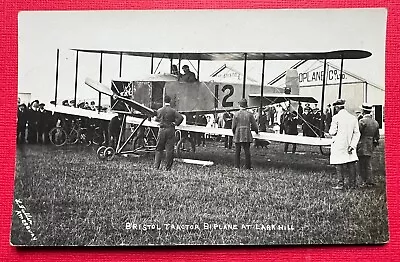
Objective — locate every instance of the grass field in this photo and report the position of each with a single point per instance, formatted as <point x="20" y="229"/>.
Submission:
<point x="72" y="198"/>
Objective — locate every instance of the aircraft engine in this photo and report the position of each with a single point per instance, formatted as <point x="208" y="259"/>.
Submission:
<point x="292" y="82"/>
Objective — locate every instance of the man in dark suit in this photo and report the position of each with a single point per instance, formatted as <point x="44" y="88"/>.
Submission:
<point x="307" y="122"/>
<point x="21" y="125"/>
<point x="114" y="128"/>
<point x="328" y="118"/>
<point x="290" y="127"/>
<point x="300" y="109"/>
<point x="228" y="117"/>
<point x="369" y="129"/>
<point x="201" y="120"/>
<point x="242" y="124"/>
<point x="43" y="124"/>
<point x="33" y="119"/>
<point x="168" y="118"/>
<point x="188" y="75"/>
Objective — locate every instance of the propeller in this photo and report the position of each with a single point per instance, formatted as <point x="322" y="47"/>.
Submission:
<point x="99" y="87"/>
<point x="107" y="91"/>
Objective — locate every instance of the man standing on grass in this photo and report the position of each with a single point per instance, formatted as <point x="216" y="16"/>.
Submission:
<point x="168" y="118"/>
<point x="290" y="128"/>
<point x="33" y="119"/>
<point x="114" y="128"/>
<point x="21" y="124"/>
<point x="345" y="132"/>
<point x="242" y="124"/>
<point x="227" y="116"/>
<point x="369" y="129"/>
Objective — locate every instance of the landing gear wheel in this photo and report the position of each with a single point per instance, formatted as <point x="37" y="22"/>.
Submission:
<point x="100" y="152"/>
<point x="109" y="153"/>
<point x="185" y="145"/>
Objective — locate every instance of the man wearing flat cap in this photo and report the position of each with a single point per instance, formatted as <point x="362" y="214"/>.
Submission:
<point x="242" y="124"/>
<point x="369" y="129"/>
<point x="346" y="134"/>
<point x="168" y="118"/>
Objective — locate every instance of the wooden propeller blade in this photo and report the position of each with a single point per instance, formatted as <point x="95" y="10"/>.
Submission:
<point x="99" y="87"/>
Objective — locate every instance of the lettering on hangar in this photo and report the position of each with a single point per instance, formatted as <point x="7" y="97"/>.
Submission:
<point x="314" y="76"/>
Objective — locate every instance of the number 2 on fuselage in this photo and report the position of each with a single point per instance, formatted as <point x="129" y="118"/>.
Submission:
<point x="230" y="89"/>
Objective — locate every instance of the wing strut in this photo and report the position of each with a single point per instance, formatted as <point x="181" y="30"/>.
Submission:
<point x="58" y="61"/>
<point x="120" y="64"/>
<point x="244" y="75"/>
<point x="152" y="63"/>
<point x="341" y="76"/>
<point x="100" y="78"/>
<point x="262" y="87"/>
<point x="179" y="67"/>
<point x="321" y="132"/>
<point x="198" y="70"/>
<point x="76" y="76"/>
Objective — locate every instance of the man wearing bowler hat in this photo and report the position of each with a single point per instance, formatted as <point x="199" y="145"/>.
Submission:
<point x="369" y="129"/>
<point x="242" y="124"/>
<point x="345" y="132"/>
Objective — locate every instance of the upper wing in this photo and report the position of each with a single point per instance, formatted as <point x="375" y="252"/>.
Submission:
<point x="338" y="54"/>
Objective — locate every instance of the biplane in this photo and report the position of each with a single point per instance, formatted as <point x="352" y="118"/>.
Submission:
<point x="138" y="99"/>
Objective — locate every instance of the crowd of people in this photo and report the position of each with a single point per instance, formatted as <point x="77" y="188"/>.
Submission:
<point x="275" y="118"/>
<point x="82" y="105"/>
<point x="281" y="118"/>
<point x="34" y="122"/>
<point x="355" y="138"/>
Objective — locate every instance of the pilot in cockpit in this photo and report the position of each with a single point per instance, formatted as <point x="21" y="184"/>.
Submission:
<point x="188" y="75"/>
<point x="174" y="70"/>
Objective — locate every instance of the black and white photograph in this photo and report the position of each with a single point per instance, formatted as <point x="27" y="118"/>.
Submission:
<point x="200" y="127"/>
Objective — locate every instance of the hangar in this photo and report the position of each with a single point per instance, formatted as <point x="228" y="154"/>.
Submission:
<point x="355" y="89"/>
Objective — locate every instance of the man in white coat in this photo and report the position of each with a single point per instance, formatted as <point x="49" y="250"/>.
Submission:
<point x="346" y="134"/>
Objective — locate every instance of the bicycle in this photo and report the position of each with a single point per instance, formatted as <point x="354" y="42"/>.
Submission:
<point x="59" y="136"/>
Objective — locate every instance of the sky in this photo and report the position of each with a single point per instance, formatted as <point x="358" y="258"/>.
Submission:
<point x="40" y="34"/>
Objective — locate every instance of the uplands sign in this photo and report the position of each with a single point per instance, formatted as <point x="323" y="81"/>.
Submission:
<point x="317" y="76"/>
